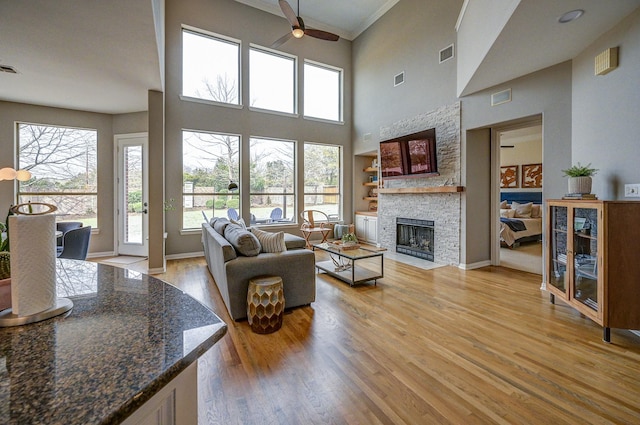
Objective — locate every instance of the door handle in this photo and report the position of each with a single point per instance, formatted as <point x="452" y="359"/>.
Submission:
<point x="145" y="204"/>
<point x="145" y="211"/>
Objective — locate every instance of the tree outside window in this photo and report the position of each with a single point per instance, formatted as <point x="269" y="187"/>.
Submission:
<point x="322" y="179"/>
<point x="63" y="165"/>
<point x="272" y="181"/>
<point x="210" y="68"/>
<point x="210" y="162"/>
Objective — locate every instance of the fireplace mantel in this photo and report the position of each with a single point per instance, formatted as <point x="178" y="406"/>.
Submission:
<point x="429" y="189"/>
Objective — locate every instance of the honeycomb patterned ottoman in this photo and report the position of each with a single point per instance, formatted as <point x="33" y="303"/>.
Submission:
<point x="265" y="304"/>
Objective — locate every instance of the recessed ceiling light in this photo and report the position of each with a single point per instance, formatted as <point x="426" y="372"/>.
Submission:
<point x="571" y="16"/>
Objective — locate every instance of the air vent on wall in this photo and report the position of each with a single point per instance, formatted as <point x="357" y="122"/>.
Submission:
<point x="446" y="53"/>
<point x="9" y="69"/>
<point x="500" y="97"/>
<point x="398" y="79"/>
<point x="606" y="61"/>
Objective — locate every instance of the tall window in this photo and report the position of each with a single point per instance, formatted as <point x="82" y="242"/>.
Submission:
<point x="272" y="181"/>
<point x="210" y="162"/>
<point x="272" y="81"/>
<point x="322" y="91"/>
<point x="210" y="68"/>
<point x="63" y="163"/>
<point x="322" y="179"/>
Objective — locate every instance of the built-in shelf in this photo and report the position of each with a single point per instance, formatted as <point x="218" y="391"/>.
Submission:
<point x="370" y="198"/>
<point x="374" y="184"/>
<point x="431" y="189"/>
<point x="371" y="170"/>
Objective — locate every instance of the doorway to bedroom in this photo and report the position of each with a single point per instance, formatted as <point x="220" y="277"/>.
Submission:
<point x="521" y="179"/>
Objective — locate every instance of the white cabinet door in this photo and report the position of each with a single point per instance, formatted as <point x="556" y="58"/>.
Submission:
<point x="372" y="230"/>
<point x="361" y="227"/>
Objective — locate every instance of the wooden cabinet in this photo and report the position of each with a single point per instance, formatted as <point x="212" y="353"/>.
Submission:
<point x="367" y="228"/>
<point x="592" y="260"/>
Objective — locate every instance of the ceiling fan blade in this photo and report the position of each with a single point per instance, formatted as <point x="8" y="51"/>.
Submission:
<point x="289" y="13"/>
<point x="279" y="42"/>
<point x="323" y="35"/>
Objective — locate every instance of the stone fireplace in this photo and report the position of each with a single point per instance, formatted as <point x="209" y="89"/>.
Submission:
<point x="443" y="209"/>
<point x="415" y="237"/>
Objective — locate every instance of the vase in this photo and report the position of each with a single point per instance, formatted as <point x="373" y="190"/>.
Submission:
<point x="5" y="293"/>
<point x="580" y="185"/>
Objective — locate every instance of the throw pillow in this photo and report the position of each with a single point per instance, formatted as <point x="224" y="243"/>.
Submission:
<point x="243" y="241"/>
<point x="522" y="210"/>
<point x="536" y="211"/>
<point x="504" y="205"/>
<point x="270" y="242"/>
<point x="240" y="222"/>
<point x="220" y="224"/>
<point x="507" y="213"/>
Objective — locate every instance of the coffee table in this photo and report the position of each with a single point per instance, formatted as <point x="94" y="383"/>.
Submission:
<point x="343" y="266"/>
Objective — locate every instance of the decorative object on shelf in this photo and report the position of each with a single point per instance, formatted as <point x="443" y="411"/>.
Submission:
<point x="532" y="176"/>
<point x="580" y="178"/>
<point x="509" y="176"/>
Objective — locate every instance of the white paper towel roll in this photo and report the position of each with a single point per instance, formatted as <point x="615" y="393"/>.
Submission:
<point x="33" y="263"/>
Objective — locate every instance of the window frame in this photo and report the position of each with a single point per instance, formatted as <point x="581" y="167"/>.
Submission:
<point x="295" y="82"/>
<point x="19" y="193"/>
<point x="328" y="67"/>
<point x="213" y="195"/>
<point x="296" y="168"/>
<point x="220" y="38"/>
<point x="340" y="185"/>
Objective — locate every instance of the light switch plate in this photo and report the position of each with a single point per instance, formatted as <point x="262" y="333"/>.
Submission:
<point x="632" y="190"/>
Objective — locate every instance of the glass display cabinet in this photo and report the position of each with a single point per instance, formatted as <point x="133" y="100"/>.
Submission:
<point x="591" y="263"/>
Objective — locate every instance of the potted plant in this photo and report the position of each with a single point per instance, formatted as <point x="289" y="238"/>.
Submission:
<point x="349" y="239"/>
<point x="5" y="269"/>
<point x="580" y="178"/>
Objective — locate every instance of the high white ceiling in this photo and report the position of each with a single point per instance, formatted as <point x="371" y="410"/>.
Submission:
<point x="102" y="56"/>
<point x="347" y="18"/>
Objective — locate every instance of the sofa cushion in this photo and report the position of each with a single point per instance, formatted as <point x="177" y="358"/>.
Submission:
<point x="294" y="242"/>
<point x="269" y="241"/>
<point x="245" y="242"/>
<point x="219" y="224"/>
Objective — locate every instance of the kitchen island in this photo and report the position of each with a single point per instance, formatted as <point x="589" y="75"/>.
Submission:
<point x="127" y="349"/>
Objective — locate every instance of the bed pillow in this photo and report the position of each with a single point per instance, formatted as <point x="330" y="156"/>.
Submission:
<point x="536" y="211"/>
<point x="269" y="241"/>
<point x="242" y="240"/>
<point x="522" y="210"/>
<point x="507" y="212"/>
<point x="504" y="205"/>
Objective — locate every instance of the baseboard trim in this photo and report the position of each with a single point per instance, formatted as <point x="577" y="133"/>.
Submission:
<point x="101" y="254"/>
<point x="185" y="255"/>
<point x="474" y="265"/>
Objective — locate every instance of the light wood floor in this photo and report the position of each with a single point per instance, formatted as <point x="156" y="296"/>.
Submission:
<point x="444" y="346"/>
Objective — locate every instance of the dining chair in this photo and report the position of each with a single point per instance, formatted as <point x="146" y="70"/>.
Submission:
<point x="64" y="227"/>
<point x="75" y="243"/>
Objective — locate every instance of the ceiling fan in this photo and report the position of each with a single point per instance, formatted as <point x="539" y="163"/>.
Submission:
<point x="297" y="27"/>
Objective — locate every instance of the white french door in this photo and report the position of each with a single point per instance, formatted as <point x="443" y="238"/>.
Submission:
<point x="131" y="195"/>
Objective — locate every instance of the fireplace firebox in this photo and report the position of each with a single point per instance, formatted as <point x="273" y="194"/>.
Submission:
<point x="415" y="237"/>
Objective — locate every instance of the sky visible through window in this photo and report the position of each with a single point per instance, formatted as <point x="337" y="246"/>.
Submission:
<point x="321" y="92"/>
<point x="272" y="81"/>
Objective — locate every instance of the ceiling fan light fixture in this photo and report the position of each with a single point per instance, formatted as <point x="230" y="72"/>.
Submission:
<point x="297" y="32"/>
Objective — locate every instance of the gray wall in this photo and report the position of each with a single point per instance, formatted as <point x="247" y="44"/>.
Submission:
<point x="546" y="93"/>
<point x="606" y="125"/>
<point x="407" y="38"/>
<point x="230" y="18"/>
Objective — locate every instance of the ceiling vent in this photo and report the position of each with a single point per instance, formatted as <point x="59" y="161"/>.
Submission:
<point x="9" y="69"/>
<point x="446" y="53"/>
<point x="398" y="79"/>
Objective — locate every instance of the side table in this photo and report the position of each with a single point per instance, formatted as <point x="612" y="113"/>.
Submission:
<point x="265" y="304"/>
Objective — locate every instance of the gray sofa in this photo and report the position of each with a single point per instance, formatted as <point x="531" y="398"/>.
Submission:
<point x="231" y="271"/>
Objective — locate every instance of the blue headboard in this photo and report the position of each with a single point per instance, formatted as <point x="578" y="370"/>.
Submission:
<point x="521" y="197"/>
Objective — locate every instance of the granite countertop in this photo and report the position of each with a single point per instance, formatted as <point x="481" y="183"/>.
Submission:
<point x="126" y="337"/>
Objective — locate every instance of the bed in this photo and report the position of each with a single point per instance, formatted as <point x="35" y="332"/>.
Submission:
<point x="520" y="217"/>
